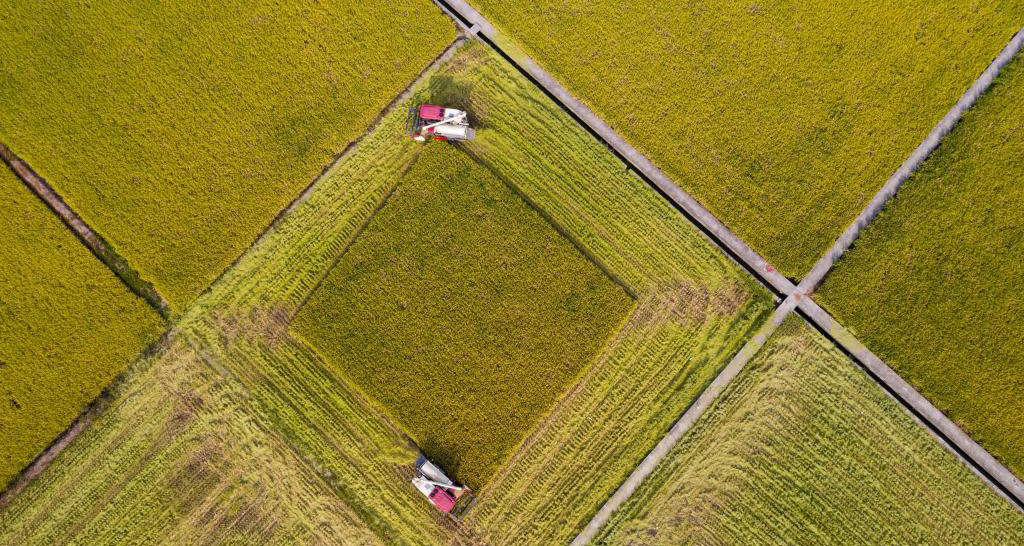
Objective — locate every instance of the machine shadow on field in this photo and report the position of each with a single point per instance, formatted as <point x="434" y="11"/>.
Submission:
<point x="453" y="93"/>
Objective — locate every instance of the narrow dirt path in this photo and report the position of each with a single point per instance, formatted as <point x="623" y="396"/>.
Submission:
<point x="686" y="422"/>
<point x="99" y="246"/>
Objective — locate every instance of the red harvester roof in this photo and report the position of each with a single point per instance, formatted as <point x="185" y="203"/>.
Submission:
<point x="431" y="112"/>
<point x="442" y="499"/>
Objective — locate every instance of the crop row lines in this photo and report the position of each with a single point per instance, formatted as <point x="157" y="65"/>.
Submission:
<point x="725" y="239"/>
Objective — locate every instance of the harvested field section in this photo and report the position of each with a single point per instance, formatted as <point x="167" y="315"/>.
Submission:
<point x="462" y="312"/>
<point x="67" y="326"/>
<point x="178" y="130"/>
<point x="783" y="118"/>
<point x="694" y="308"/>
<point x="935" y="285"/>
<point x="314" y="461"/>
<point x="804" y="448"/>
<point x="179" y="458"/>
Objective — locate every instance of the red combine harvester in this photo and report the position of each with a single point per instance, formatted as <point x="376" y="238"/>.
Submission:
<point x="429" y="121"/>
<point x="439" y="489"/>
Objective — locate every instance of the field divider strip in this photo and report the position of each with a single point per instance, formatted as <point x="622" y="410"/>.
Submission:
<point x="89" y="237"/>
<point x="475" y="24"/>
<point x="977" y="458"/>
<point x="685" y="422"/>
<point x="923" y="150"/>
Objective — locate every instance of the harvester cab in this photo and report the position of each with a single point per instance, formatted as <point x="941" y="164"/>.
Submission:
<point x="439" y="489"/>
<point x="429" y="121"/>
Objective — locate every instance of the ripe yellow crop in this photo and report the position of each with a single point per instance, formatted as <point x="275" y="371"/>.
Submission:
<point x="804" y="448"/>
<point x="782" y="117"/>
<point x="935" y="286"/>
<point x="67" y="326"/>
<point x="180" y="129"/>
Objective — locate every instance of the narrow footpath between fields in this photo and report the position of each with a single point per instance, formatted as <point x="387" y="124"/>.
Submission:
<point x="97" y="244"/>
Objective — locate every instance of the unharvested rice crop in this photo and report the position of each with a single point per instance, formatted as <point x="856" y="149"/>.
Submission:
<point x="463" y="312"/>
<point x="67" y="326"/>
<point x="935" y="286"/>
<point x="178" y="129"/>
<point x="782" y="117"/>
<point x="317" y="460"/>
<point x="803" y="448"/>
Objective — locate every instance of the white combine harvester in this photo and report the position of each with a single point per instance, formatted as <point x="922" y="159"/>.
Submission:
<point x="429" y="121"/>
<point x="439" y="489"/>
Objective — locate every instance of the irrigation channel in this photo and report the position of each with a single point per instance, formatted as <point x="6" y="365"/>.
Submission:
<point x="794" y="297"/>
<point x="89" y="237"/>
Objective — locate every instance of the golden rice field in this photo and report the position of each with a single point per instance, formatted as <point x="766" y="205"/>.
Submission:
<point x="67" y="326"/>
<point x="316" y="459"/>
<point x="235" y="433"/>
<point x="804" y="448"/>
<point x="179" y="129"/>
<point x="782" y="117"/>
<point x="942" y="267"/>
<point x="522" y="307"/>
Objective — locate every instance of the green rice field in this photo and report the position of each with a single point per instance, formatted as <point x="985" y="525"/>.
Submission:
<point x="935" y="285"/>
<point x="68" y="326"/>
<point x="462" y="312"/>
<point x="804" y="448"/>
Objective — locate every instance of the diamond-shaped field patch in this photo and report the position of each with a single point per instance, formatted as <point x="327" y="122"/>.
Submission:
<point x="462" y="312"/>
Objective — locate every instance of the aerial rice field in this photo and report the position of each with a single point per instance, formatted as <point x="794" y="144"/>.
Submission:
<point x="68" y="326"/>
<point x="804" y="448"/>
<point x="462" y="312"/>
<point x="783" y="118"/>
<point x="694" y="307"/>
<point x="179" y="129"/>
<point x="316" y="459"/>
<point x="935" y="286"/>
<point x="234" y="432"/>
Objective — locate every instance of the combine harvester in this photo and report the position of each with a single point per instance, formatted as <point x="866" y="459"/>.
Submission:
<point x="432" y="122"/>
<point x="440" y="490"/>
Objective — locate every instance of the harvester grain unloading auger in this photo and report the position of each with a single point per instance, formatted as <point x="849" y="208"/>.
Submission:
<point x="432" y="122"/>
